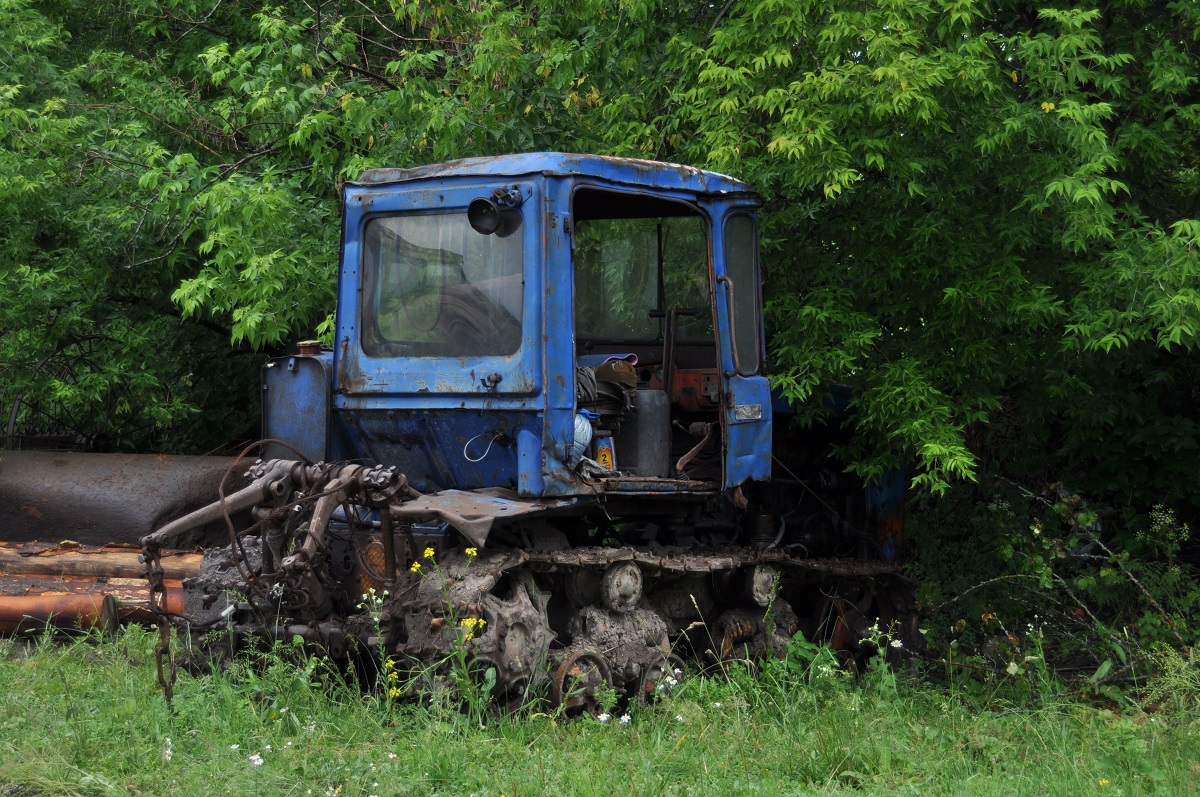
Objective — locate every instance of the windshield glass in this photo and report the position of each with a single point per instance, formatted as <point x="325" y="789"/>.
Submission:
<point x="626" y="267"/>
<point x="436" y="288"/>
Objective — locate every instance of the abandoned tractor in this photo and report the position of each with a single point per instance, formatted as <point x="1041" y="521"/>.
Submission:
<point x="543" y="440"/>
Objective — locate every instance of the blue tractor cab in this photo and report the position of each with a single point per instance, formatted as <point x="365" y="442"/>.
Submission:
<point x="546" y="325"/>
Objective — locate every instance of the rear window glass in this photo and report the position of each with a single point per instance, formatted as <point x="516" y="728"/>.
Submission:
<point x="436" y="288"/>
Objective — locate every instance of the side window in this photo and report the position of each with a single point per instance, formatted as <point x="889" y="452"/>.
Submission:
<point x="433" y="287"/>
<point x="741" y="265"/>
<point x="626" y="267"/>
<point x="616" y="279"/>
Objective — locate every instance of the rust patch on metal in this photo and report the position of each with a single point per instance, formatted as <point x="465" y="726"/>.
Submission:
<point x="473" y="513"/>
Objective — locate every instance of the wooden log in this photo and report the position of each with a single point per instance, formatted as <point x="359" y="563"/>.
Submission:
<point x="72" y="560"/>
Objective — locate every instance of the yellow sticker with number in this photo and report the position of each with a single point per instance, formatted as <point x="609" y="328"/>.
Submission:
<point x="604" y="454"/>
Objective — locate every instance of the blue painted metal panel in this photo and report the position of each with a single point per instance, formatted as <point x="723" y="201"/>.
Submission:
<point x="746" y="406"/>
<point x="746" y="414"/>
<point x="439" y="449"/>
<point x="360" y="374"/>
<point x="296" y="405"/>
<point x="419" y="413"/>
<point x="556" y="478"/>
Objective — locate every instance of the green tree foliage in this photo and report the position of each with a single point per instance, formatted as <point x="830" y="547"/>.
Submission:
<point x="979" y="215"/>
<point x="90" y="343"/>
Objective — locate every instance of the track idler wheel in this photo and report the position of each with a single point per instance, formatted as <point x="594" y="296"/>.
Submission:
<point x="578" y="681"/>
<point x="659" y="677"/>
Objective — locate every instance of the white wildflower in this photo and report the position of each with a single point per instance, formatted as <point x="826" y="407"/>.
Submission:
<point x="605" y="717"/>
<point x="896" y="643"/>
<point x="626" y="719"/>
<point x="392" y="756"/>
<point x="716" y="705"/>
<point x="678" y="718"/>
<point x="235" y="747"/>
<point x="256" y="760"/>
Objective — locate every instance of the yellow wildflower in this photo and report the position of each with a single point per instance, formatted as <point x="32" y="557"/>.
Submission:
<point x="1048" y="107"/>
<point x="389" y="665"/>
<point x="394" y="692"/>
<point x="472" y="552"/>
<point x="428" y="553"/>
<point x="1103" y="781"/>
<point x="393" y="676"/>
<point x="416" y="567"/>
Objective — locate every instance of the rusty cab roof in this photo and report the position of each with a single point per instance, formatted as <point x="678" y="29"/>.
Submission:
<point x="627" y="171"/>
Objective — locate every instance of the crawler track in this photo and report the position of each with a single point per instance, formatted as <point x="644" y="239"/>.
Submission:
<point x="338" y="555"/>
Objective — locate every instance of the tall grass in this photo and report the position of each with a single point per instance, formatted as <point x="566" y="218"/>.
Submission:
<point x="87" y="718"/>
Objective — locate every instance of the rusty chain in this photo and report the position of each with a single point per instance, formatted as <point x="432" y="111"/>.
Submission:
<point x="158" y="605"/>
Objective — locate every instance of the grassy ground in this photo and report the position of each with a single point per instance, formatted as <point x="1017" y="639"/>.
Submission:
<point x="88" y="718"/>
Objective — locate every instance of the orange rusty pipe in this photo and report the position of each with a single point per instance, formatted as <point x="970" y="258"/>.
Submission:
<point x="58" y="610"/>
<point x="138" y="611"/>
